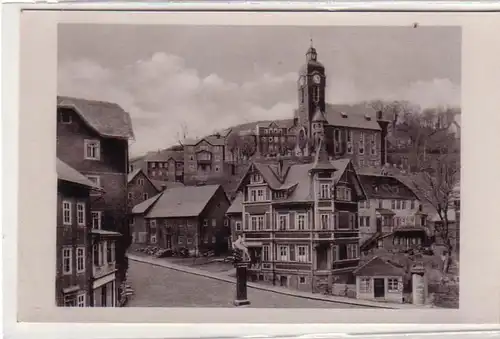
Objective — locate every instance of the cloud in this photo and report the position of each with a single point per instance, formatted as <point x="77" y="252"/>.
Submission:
<point x="162" y="93"/>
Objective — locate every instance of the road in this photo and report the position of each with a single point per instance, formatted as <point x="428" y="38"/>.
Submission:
<point x="157" y="286"/>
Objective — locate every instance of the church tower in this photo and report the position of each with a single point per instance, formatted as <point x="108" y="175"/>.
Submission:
<point x="311" y="91"/>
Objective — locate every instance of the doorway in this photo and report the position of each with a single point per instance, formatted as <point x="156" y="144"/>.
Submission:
<point x="322" y="258"/>
<point x="283" y="280"/>
<point x="379" y="287"/>
<point x="104" y="295"/>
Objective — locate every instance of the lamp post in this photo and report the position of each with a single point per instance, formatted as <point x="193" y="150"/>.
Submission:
<point x="241" y="280"/>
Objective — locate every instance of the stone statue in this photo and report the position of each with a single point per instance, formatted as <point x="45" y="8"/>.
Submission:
<point x="239" y="244"/>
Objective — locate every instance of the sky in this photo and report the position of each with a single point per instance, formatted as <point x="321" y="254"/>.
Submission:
<point x="208" y="78"/>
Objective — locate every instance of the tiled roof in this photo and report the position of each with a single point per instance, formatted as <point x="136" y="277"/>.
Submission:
<point x="145" y="205"/>
<point x="68" y="173"/>
<point x="106" y="118"/>
<point x="188" y="201"/>
<point x="236" y="206"/>
<point x="378" y="266"/>
<point x="385" y="187"/>
<point x="353" y="116"/>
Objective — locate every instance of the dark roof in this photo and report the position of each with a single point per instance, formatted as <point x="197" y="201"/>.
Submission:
<point x="168" y="184"/>
<point x="236" y="206"/>
<point x="322" y="160"/>
<point x="385" y="187"/>
<point x="378" y="266"/>
<point x="214" y="140"/>
<point x="67" y="173"/>
<point x="106" y="118"/>
<point x="187" y="201"/>
<point x="132" y="174"/>
<point x="164" y="155"/>
<point x="144" y="206"/>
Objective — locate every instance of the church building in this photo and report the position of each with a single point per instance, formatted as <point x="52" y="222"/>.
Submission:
<point x="354" y="131"/>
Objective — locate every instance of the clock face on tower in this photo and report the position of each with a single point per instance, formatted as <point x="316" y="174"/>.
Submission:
<point x="316" y="79"/>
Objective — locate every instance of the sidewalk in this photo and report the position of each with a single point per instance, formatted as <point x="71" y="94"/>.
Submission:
<point x="275" y="289"/>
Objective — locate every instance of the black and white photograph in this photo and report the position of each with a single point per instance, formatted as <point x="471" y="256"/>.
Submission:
<point x="258" y="166"/>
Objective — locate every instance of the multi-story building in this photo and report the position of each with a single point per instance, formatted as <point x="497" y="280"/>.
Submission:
<point x="390" y="204"/>
<point x="165" y="165"/>
<point x="191" y="217"/>
<point x="274" y="138"/>
<point x="353" y="131"/>
<point x="73" y="265"/>
<point x="300" y="222"/>
<point x="204" y="159"/>
<point x="92" y="137"/>
<point x="141" y="188"/>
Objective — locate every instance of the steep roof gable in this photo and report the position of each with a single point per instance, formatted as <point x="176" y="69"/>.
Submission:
<point x="67" y="173"/>
<point x="378" y="266"/>
<point x="144" y="206"/>
<point x="106" y="118"/>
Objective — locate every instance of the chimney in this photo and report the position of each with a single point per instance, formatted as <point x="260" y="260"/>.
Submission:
<point x="379" y="115"/>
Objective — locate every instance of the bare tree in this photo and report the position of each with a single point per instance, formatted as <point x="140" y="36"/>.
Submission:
<point x="241" y="145"/>
<point x="183" y="132"/>
<point x="436" y="185"/>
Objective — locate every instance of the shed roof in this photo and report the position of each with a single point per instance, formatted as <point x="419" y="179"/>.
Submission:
<point x="67" y="173"/>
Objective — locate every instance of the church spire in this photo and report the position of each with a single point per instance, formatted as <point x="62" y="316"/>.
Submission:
<point x="321" y="159"/>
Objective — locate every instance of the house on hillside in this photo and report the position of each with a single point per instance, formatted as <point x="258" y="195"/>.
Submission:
<point x="204" y="159"/>
<point x="300" y="222"/>
<point x="140" y="187"/>
<point x="191" y="217"/>
<point x="166" y="165"/>
<point x="73" y="246"/>
<point x="390" y="204"/>
<point x="92" y="137"/>
<point x="274" y="138"/>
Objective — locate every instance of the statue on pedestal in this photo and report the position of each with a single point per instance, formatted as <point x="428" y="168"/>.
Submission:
<point x="242" y="258"/>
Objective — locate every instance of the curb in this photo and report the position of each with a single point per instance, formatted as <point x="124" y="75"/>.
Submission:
<point x="257" y="286"/>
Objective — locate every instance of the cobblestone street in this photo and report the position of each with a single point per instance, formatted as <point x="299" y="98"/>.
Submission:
<point x="162" y="287"/>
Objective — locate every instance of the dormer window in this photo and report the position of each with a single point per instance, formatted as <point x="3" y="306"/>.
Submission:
<point x="256" y="178"/>
<point x="343" y="114"/>
<point x="344" y="193"/>
<point x="65" y="116"/>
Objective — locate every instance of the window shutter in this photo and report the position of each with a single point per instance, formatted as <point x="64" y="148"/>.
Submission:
<point x="291" y="220"/>
<point x="267" y="221"/>
<point x="246" y="224"/>
<point x="336" y="220"/>
<point x="268" y="194"/>
<point x="309" y="220"/>
<point x="334" y="253"/>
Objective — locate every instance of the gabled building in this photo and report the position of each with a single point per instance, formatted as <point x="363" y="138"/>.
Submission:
<point x="300" y="221"/>
<point x="234" y="217"/>
<point x="92" y="137"/>
<point x="204" y="158"/>
<point x="140" y="188"/>
<point x="73" y="243"/>
<point x="166" y="165"/>
<point x="190" y="217"/>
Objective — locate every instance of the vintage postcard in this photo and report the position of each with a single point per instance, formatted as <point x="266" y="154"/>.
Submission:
<point x="222" y="164"/>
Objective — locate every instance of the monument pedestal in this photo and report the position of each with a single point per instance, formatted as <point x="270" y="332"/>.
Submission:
<point x="241" y="285"/>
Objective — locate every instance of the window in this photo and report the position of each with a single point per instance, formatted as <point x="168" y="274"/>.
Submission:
<point x="238" y="225"/>
<point x="145" y="196"/>
<point x="130" y="195"/>
<point x="336" y="138"/>
<point x="364" y="285"/>
<point x="70" y="300"/>
<point x="65" y="117"/>
<point x="265" y="253"/>
<point x="364" y="221"/>
<point x="96" y="180"/>
<point x="101" y="253"/>
<point x="95" y="254"/>
<point x="403" y="204"/>
<point x="260" y="195"/>
<point x="392" y="285"/>
<point x="92" y="150"/>
<point x="283" y="221"/>
<point x="315" y="93"/>
<point x="324" y="192"/>
<point x="256" y="178"/>
<point x="66" y="206"/>
<point x="267" y="221"/>
<point x="214" y="240"/>
<point x="181" y="239"/>
<point x="217" y="168"/>
<point x="214" y="222"/>
<point x="80" y="300"/>
<point x="412" y="204"/>
<point x="398" y="204"/>
<point x="349" y="142"/>
<point x="96" y="220"/>
<point x="80" y="213"/>
<point x="260" y="222"/>
<point x="361" y="145"/>
<point x="153" y="165"/>
<point x="80" y="259"/>
<point x="301" y="221"/>
<point x="373" y="145"/>
<point x="109" y="253"/>
<point x="152" y="231"/>
<point x="189" y="241"/>
<point x="325" y="221"/>
<point x="302" y="280"/>
<point x="67" y="258"/>
<point x="343" y="193"/>
<point x="253" y="221"/>
<point x="205" y="222"/>
<point x="380" y="203"/>
<point x="153" y="173"/>
<point x="283" y="253"/>
<point x="393" y="204"/>
<point x="352" y="251"/>
<point x="302" y="254"/>
<point x="140" y="182"/>
<point x="113" y="251"/>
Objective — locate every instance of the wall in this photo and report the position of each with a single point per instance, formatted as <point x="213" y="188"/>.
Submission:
<point x="215" y="210"/>
<point x="396" y="297"/>
<point x="137" y="227"/>
<point x="136" y="191"/>
<point x="192" y="171"/>
<point x="73" y="236"/>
